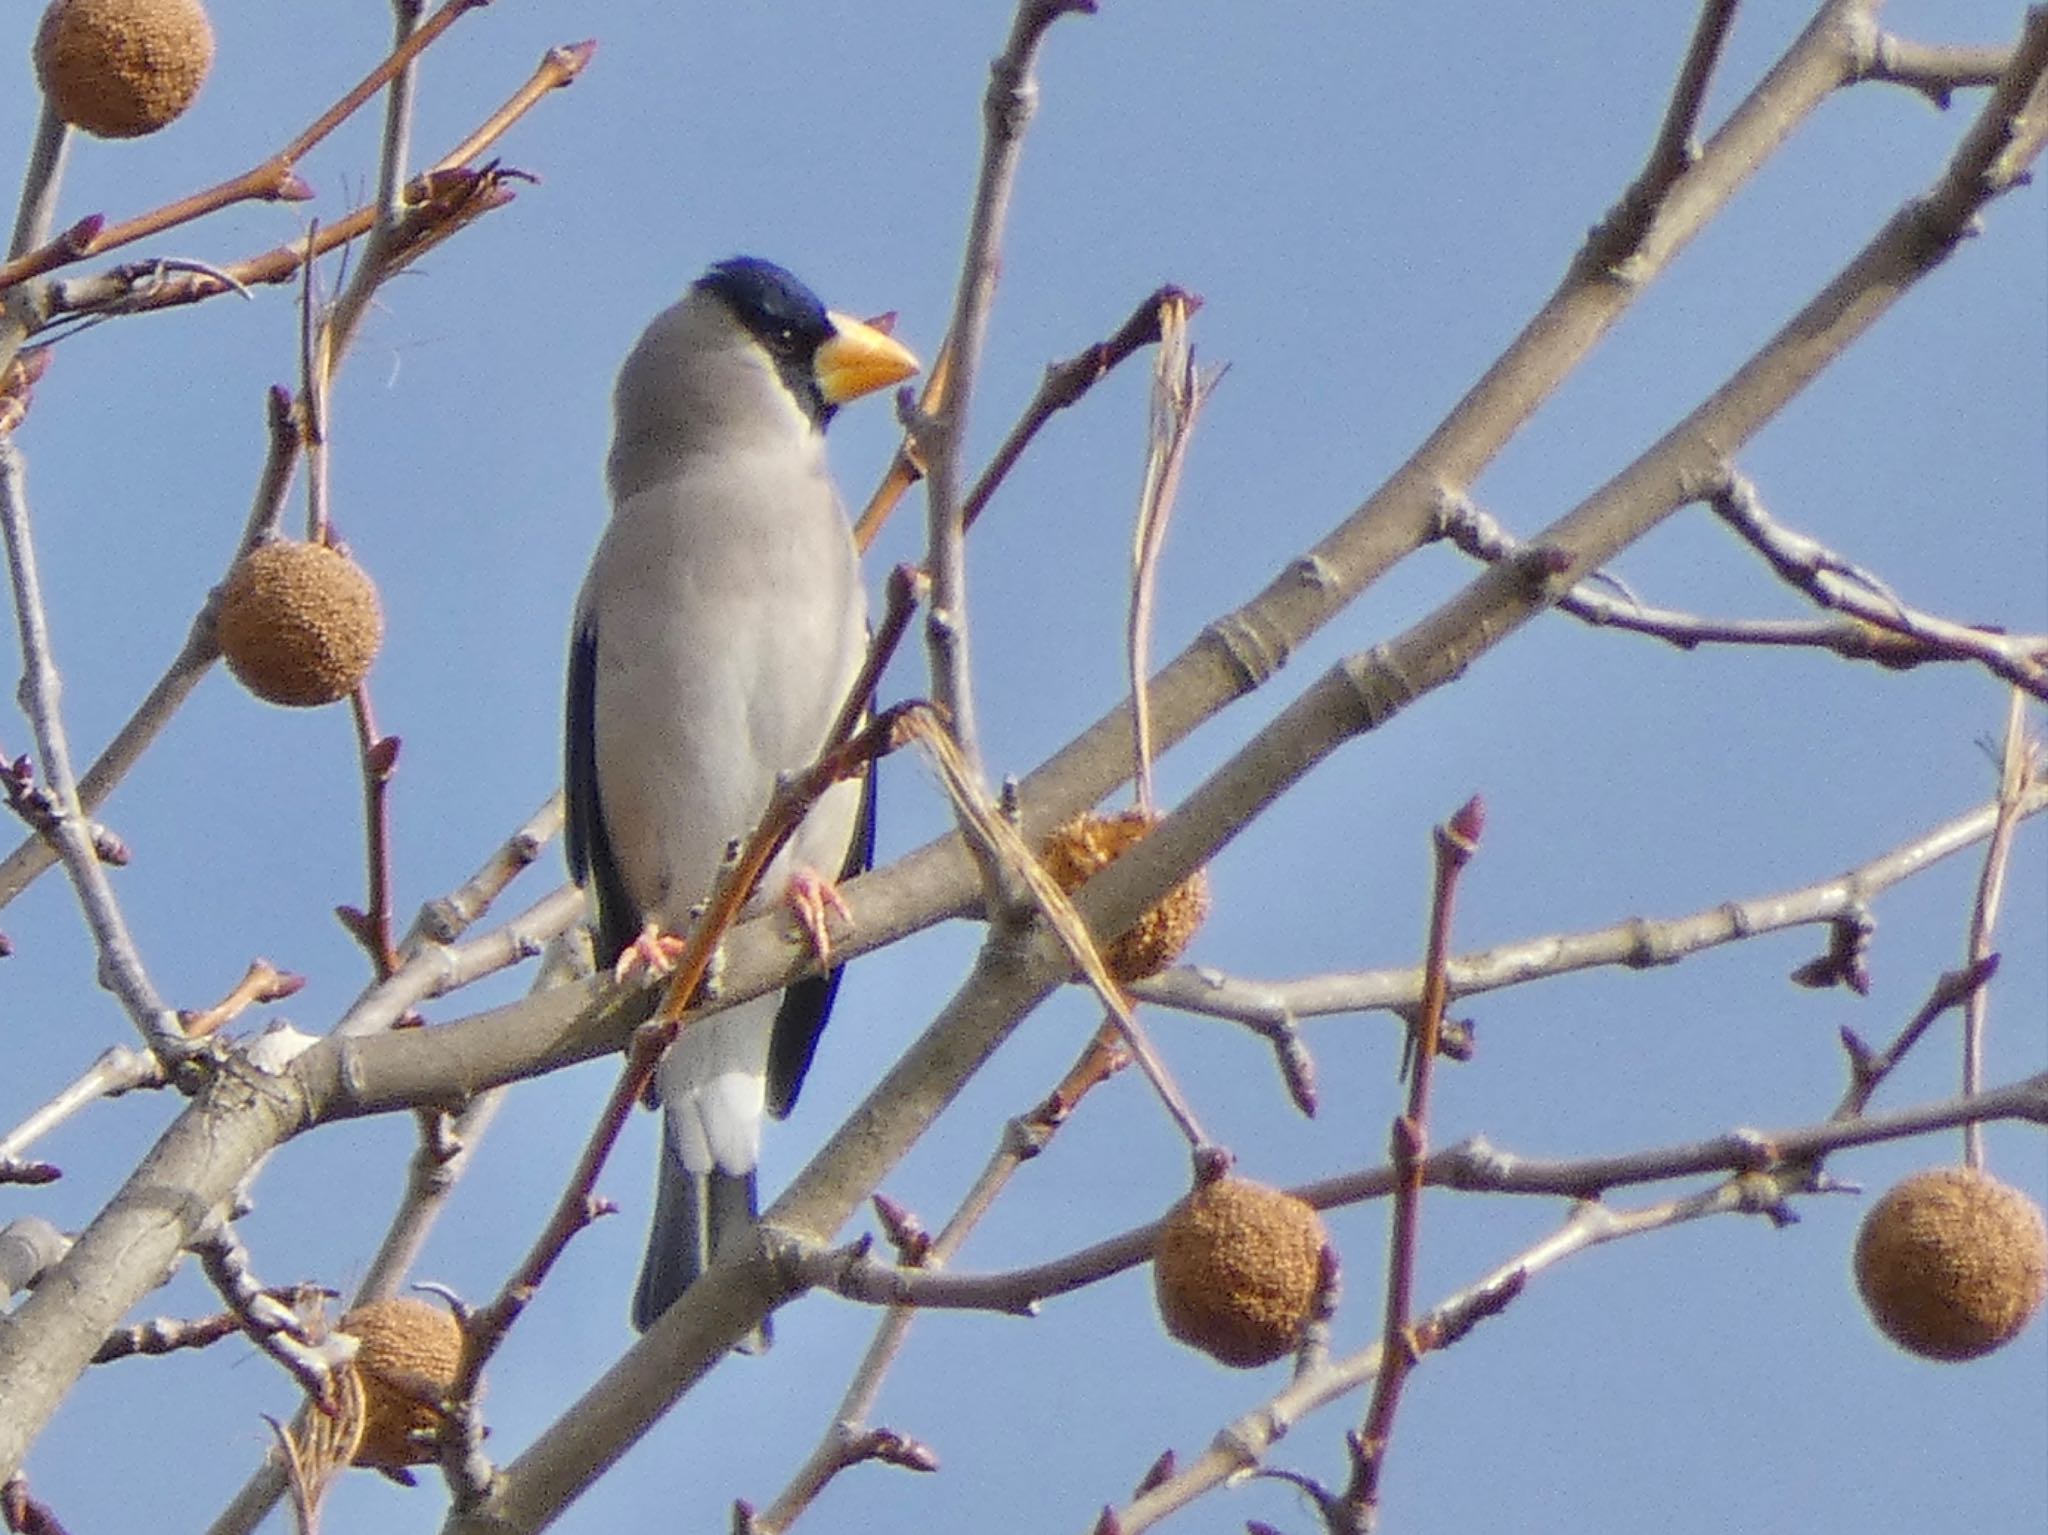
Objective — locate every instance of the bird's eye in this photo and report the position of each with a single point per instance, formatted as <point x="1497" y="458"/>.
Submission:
<point x="786" y="336"/>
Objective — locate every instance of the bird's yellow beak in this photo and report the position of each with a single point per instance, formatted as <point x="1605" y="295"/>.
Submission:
<point x="858" y="359"/>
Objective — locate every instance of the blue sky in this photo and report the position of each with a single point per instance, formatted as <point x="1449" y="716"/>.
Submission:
<point x="1371" y="201"/>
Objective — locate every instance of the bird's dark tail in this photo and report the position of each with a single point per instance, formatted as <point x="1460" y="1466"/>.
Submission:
<point x="694" y="1214"/>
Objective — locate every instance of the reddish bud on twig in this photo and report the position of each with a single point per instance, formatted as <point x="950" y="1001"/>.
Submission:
<point x="903" y="1230"/>
<point x="1211" y="1163"/>
<point x="22" y="1513"/>
<point x="900" y="1450"/>
<point x="1157" y="1474"/>
<point x="359" y="926"/>
<point x="1470" y="820"/>
<point x="261" y="982"/>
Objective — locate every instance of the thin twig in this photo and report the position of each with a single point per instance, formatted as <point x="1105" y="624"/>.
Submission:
<point x="2019" y="766"/>
<point x="434" y="970"/>
<point x="939" y="437"/>
<point x="375" y="267"/>
<point x="377" y="760"/>
<point x="849" y="1439"/>
<point x="272" y="1325"/>
<point x="1004" y="846"/>
<point x="60" y="250"/>
<point x="1242" y="1445"/>
<point x="1892" y="635"/>
<point x="193" y="660"/>
<point x="37" y="211"/>
<point x="1179" y="391"/>
<point x="428" y="197"/>
<point x="448" y="1143"/>
<point x="1066" y="382"/>
<point x="121" y="969"/>
<point x="261" y="982"/>
<point x="1637" y="943"/>
<point x="1868" y="1068"/>
<point x="1475" y="1167"/>
<point x="447" y="1147"/>
<point x="1833" y="582"/>
<point x="439" y="207"/>
<point x="314" y="375"/>
<point x="1454" y="844"/>
<point x="1675" y="150"/>
<point x="446" y="918"/>
<point x="558" y="67"/>
<point x="1677" y="144"/>
<point x="906" y="465"/>
<point x="396" y="140"/>
<point x="170" y="1335"/>
<point x="1063" y="385"/>
<point x="118" y="1070"/>
<point x="1936" y="71"/>
<point x="275" y="178"/>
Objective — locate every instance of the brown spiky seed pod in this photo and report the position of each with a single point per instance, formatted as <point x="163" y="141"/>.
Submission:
<point x="1084" y="845"/>
<point x="1236" y="1270"/>
<point x="298" y="623"/>
<point x="1952" y="1263"/>
<point x="122" y="68"/>
<point x="408" y="1359"/>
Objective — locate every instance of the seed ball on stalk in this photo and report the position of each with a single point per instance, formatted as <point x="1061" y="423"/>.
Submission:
<point x="409" y="1357"/>
<point x="1236" y="1270"/>
<point x="119" y="69"/>
<point x="1088" y="843"/>
<point x="298" y="623"/>
<point x="1952" y="1263"/>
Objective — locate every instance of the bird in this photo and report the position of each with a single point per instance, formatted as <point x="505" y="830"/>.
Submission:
<point x="717" y="635"/>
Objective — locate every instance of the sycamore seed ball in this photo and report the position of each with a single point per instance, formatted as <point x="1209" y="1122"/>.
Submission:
<point x="1236" y="1271"/>
<point x="1074" y="853"/>
<point x="1952" y="1263"/>
<point x="409" y="1356"/>
<point x="298" y="623"/>
<point x="122" y="68"/>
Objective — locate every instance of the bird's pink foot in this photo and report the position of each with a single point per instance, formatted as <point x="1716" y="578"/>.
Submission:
<point x="655" y="951"/>
<point x="810" y="897"/>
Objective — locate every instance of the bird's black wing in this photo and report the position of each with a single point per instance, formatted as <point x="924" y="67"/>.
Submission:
<point x="591" y="863"/>
<point x="807" y="1004"/>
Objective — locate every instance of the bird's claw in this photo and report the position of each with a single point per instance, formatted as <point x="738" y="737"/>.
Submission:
<point x="810" y="897"/>
<point x="655" y="951"/>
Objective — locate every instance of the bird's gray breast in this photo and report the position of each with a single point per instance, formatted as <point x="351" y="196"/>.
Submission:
<point x="729" y="623"/>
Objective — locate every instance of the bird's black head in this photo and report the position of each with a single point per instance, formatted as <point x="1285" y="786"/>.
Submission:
<point x="784" y="316"/>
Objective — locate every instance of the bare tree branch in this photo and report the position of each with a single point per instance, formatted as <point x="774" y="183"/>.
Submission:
<point x="1636" y="942"/>
<point x="1244" y="1443"/>
<point x="121" y="968"/>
